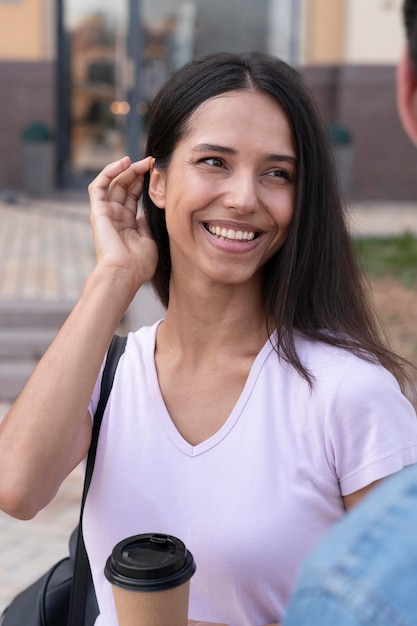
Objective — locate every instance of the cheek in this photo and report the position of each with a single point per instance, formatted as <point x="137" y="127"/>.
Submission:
<point x="287" y="216"/>
<point x="284" y="210"/>
<point x="188" y="195"/>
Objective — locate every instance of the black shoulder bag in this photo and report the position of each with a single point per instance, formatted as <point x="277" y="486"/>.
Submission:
<point x="65" y="595"/>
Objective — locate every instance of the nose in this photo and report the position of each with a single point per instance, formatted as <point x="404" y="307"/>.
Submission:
<point x="240" y="193"/>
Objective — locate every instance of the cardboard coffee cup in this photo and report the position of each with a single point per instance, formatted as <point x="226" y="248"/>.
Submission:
<point x="150" y="576"/>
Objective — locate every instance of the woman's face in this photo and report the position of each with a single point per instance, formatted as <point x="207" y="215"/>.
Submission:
<point x="228" y="192"/>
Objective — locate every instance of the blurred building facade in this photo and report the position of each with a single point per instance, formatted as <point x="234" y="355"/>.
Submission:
<point x="88" y="70"/>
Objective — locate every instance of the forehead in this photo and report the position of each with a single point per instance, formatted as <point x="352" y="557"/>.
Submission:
<point x="236" y="112"/>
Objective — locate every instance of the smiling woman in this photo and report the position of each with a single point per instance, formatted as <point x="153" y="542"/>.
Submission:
<point x="264" y="403"/>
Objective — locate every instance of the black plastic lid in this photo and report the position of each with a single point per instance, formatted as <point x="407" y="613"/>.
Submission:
<point x="150" y="562"/>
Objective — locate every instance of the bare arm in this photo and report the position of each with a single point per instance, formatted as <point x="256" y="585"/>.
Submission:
<point x="47" y="431"/>
<point x="353" y="498"/>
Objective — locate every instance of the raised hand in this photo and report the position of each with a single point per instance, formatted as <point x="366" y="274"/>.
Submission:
<point x="122" y="239"/>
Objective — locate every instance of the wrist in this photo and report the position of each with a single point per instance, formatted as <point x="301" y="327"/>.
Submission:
<point x="117" y="287"/>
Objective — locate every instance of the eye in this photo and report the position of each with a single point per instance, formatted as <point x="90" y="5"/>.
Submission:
<point x="280" y="174"/>
<point x="212" y="161"/>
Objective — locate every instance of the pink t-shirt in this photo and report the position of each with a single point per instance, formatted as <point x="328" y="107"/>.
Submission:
<point x="252" y="500"/>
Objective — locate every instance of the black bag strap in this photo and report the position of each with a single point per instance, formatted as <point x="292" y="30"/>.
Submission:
<point x="82" y="573"/>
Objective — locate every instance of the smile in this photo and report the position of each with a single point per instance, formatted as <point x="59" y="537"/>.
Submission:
<point x="230" y="233"/>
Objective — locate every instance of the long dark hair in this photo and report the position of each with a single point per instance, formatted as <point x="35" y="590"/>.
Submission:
<point x="313" y="283"/>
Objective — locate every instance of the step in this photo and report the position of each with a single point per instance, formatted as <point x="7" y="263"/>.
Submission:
<point x="13" y="376"/>
<point x="25" y="343"/>
<point x="34" y="313"/>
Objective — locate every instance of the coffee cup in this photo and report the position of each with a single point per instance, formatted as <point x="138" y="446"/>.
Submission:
<point x="150" y="576"/>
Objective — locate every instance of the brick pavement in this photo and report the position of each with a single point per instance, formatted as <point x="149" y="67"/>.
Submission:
<point x="46" y="253"/>
<point x="46" y="248"/>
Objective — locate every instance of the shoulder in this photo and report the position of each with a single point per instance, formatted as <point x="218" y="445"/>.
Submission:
<point x="331" y="365"/>
<point x="369" y="426"/>
<point x="143" y="336"/>
<point x="136" y="360"/>
<point x="343" y="382"/>
<point x="140" y="345"/>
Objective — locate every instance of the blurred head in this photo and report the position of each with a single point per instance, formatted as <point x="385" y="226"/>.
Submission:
<point x="407" y="72"/>
<point x="315" y="193"/>
<point x="410" y="24"/>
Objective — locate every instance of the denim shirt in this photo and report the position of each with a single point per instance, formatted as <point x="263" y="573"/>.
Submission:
<point x="364" y="571"/>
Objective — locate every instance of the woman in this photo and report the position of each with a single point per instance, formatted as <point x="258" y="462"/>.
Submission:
<point x="265" y="403"/>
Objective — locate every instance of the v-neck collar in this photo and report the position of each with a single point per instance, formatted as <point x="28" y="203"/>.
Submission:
<point x="164" y="417"/>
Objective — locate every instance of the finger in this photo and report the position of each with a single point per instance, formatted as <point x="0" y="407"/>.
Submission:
<point x="129" y="184"/>
<point x="135" y="170"/>
<point x="99" y="186"/>
<point x="135" y="190"/>
<point x="144" y="165"/>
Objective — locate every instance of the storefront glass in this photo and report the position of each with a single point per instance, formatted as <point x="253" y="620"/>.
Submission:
<point x="96" y="48"/>
<point x="108" y="87"/>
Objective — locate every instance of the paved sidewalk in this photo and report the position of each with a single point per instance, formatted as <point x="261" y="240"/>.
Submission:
<point x="46" y="252"/>
<point x="46" y="248"/>
<point x="383" y="219"/>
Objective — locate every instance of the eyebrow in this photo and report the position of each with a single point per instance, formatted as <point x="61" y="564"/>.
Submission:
<point x="210" y="147"/>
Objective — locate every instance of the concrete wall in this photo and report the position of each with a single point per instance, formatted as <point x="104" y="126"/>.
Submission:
<point x="23" y="31"/>
<point x="363" y="99"/>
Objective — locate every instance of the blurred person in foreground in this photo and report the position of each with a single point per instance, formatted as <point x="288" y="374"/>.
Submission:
<point x="364" y="571"/>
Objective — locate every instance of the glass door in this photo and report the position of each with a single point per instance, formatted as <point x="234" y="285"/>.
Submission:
<point x="95" y="31"/>
<point x="115" y="55"/>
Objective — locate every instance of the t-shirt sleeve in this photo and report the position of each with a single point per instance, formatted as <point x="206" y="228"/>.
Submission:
<point x="372" y="427"/>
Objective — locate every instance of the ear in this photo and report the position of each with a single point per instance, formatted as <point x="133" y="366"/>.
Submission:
<point x="157" y="187"/>
<point x="407" y="94"/>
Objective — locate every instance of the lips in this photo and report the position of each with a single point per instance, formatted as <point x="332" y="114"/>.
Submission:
<point x="231" y="234"/>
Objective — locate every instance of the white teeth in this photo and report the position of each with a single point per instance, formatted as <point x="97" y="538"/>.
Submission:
<point x="231" y="234"/>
